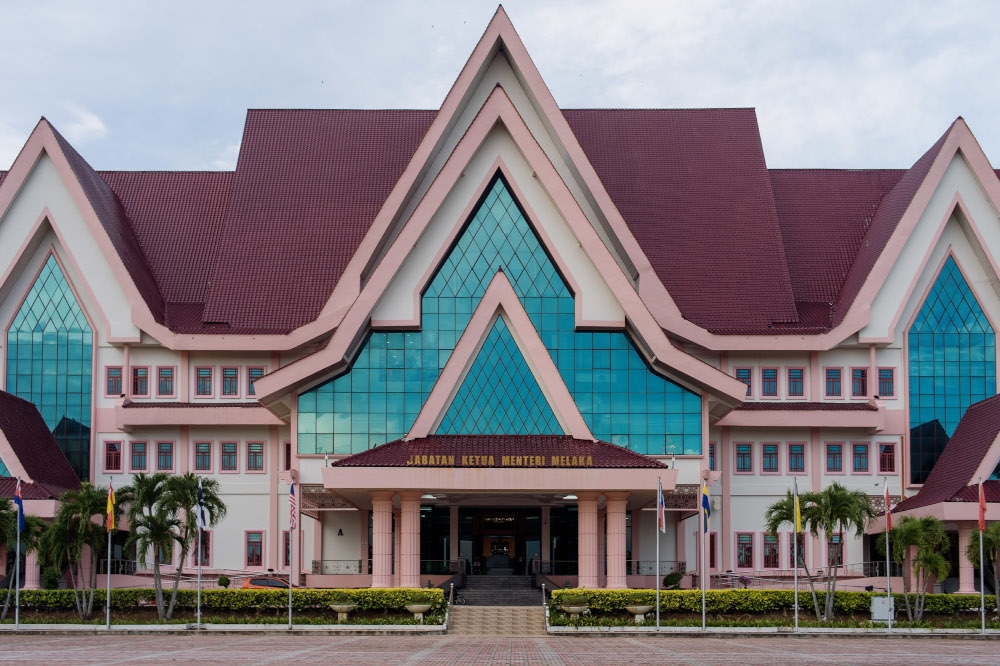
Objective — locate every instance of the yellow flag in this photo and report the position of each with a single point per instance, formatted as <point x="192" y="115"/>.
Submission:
<point x="111" y="507"/>
<point x="798" y="510"/>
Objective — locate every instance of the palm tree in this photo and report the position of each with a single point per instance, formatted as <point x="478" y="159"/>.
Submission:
<point x="927" y="535"/>
<point x="181" y="499"/>
<point x="151" y="523"/>
<point x="991" y="553"/>
<point x="782" y="513"/>
<point x="33" y="528"/>
<point x="835" y="510"/>
<point x="72" y="530"/>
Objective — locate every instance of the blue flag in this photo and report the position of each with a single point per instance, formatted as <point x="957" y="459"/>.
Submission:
<point x="706" y="504"/>
<point x="20" y="506"/>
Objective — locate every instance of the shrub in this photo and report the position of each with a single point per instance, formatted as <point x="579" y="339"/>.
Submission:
<point x="672" y="581"/>
<point x="340" y="598"/>
<point x="574" y="600"/>
<point x="420" y="597"/>
<point x="50" y="579"/>
<point x="224" y="582"/>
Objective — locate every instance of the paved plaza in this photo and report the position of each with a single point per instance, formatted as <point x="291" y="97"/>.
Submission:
<point x="602" y="650"/>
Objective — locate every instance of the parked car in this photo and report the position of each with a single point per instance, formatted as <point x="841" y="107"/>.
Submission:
<point x="265" y="583"/>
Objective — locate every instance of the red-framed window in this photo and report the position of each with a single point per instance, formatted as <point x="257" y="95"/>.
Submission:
<point x="859" y="382"/>
<point x="772" y="555"/>
<point x="255" y="456"/>
<point x="833" y="382"/>
<point x="769" y="458"/>
<point x="203" y="456"/>
<point x="860" y="457"/>
<point x="744" y="458"/>
<point x="255" y="549"/>
<point x="886" y="382"/>
<point x="835" y="458"/>
<point x="769" y="383"/>
<point x="165" y="381"/>
<point x="713" y="550"/>
<point x="744" y="551"/>
<point x="230" y="461"/>
<point x="886" y="458"/>
<point x="286" y="549"/>
<point x="113" y="381"/>
<point x="796" y="383"/>
<point x="745" y="375"/>
<point x="711" y="456"/>
<point x="796" y="458"/>
<point x="253" y="374"/>
<point x="140" y="381"/>
<point x="835" y="550"/>
<point x="288" y="456"/>
<point x="164" y="456"/>
<point x="112" y="456"/>
<point x="206" y="549"/>
<point x="230" y="381"/>
<point x="138" y="456"/>
<point x="203" y="381"/>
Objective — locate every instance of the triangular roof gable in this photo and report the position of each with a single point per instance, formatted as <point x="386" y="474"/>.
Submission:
<point x="972" y="453"/>
<point x="98" y="206"/>
<point x="500" y="298"/>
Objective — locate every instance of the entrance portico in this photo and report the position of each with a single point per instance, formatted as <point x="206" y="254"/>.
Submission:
<point x="503" y="478"/>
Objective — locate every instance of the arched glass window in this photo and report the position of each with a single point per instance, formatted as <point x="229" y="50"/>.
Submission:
<point x="952" y="364"/>
<point x="49" y="352"/>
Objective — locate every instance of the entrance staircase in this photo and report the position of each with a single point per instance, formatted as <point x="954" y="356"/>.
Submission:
<point x="497" y="620"/>
<point x="501" y="591"/>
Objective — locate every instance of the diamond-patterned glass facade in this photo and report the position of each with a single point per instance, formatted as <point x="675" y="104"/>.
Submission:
<point x="3" y="469"/>
<point x="49" y="351"/>
<point x="379" y="397"/>
<point x="952" y="364"/>
<point x="499" y="394"/>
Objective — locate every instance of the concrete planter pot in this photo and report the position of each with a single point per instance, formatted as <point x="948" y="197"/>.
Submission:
<point x="639" y="611"/>
<point x="573" y="611"/>
<point x="343" y="610"/>
<point x="418" y="611"/>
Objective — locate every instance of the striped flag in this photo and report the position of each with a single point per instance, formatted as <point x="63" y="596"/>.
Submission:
<point x="982" y="507"/>
<point x="111" y="506"/>
<point x="661" y="507"/>
<point x="19" y="501"/>
<point x="706" y="505"/>
<point x="292" y="520"/>
<point x="798" y="508"/>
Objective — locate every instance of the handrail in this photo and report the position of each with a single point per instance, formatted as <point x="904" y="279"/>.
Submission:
<point x="543" y="594"/>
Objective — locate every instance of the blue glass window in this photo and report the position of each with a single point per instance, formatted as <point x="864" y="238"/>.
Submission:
<point x="3" y="469"/>
<point x="795" y="382"/>
<point x="711" y="456"/>
<point x="499" y="394"/>
<point x="769" y="458"/>
<point x="886" y="382"/>
<point x="797" y="458"/>
<point x="835" y="457"/>
<point x="744" y="458"/>
<point x="49" y="362"/>
<point x="378" y="398"/>
<point x="833" y="382"/>
<point x="952" y="364"/>
<point x="769" y="382"/>
<point x="138" y="457"/>
<point x="165" y="381"/>
<point x="164" y="456"/>
<point x="744" y="375"/>
<point x="859" y="382"/>
<point x="861" y="457"/>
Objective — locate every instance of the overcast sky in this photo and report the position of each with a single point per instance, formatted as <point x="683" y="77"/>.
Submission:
<point x="166" y="85"/>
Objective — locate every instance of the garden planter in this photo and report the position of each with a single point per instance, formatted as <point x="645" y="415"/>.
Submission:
<point x="418" y="611"/>
<point x="639" y="611"/>
<point x="343" y="610"/>
<point x="574" y="611"/>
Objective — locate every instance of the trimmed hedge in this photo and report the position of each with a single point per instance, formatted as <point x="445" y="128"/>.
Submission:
<point x="761" y="601"/>
<point x="367" y="599"/>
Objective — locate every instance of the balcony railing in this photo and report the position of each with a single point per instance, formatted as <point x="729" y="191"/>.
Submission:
<point x="442" y="567"/>
<point x="648" y="567"/>
<point x="341" y="567"/>
<point x="874" y="569"/>
<point x="555" y="567"/>
<point x="118" y="567"/>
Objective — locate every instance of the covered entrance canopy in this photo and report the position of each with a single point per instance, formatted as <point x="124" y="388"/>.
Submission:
<point x="499" y="471"/>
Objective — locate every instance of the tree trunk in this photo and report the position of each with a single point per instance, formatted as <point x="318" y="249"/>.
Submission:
<point x="76" y="592"/>
<point x="812" y="587"/>
<point x="93" y="582"/>
<point x="10" y="588"/>
<point x="180" y="570"/>
<point x="158" y="586"/>
<point x="831" y="587"/>
<point x="996" y="578"/>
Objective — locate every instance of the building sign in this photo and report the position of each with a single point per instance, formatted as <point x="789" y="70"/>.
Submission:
<point x="505" y="461"/>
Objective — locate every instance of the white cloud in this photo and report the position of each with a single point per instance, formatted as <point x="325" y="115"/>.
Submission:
<point x="83" y="126"/>
<point x="225" y="160"/>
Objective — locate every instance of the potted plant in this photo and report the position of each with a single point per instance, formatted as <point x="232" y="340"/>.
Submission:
<point x="420" y="603"/>
<point x="342" y="603"/>
<point x="574" y="604"/>
<point x="638" y="609"/>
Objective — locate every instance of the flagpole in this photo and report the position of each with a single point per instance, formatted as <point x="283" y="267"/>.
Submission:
<point x="659" y="493"/>
<point x="199" y="575"/>
<point x="703" y="563"/>
<point x="982" y="568"/>
<point x="795" y="547"/>
<point x="107" y="599"/>
<point x="293" y="524"/>
<point x="17" y="577"/>
<point x="888" y="565"/>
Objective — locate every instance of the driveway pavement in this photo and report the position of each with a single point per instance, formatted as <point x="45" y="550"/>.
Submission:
<point x="450" y="650"/>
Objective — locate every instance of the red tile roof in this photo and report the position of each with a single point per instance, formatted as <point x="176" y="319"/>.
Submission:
<point x="29" y="491"/>
<point x="807" y="407"/>
<point x="398" y="452"/>
<point x="968" y="446"/>
<point x="741" y="249"/>
<point x="970" y="494"/>
<point x="694" y="189"/>
<point x="35" y="447"/>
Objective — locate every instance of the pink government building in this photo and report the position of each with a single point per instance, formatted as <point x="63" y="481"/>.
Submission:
<point x="477" y="337"/>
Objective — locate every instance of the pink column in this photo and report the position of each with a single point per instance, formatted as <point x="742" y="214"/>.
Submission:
<point x="382" y="538"/>
<point x="616" y="540"/>
<point x="409" y="556"/>
<point x="32" y="572"/>
<point x="966" y="569"/>
<point x="397" y="523"/>
<point x="587" y="539"/>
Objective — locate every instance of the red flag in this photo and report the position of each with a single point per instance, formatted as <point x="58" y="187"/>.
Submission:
<point x="982" y="507"/>
<point x="888" y="509"/>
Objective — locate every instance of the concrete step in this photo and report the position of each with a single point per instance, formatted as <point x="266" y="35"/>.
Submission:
<point x="497" y="620"/>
